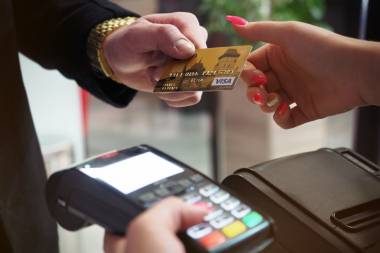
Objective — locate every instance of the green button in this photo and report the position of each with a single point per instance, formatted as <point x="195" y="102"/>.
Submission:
<point x="252" y="219"/>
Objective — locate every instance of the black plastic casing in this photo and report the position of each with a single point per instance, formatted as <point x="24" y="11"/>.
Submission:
<point x="76" y="201"/>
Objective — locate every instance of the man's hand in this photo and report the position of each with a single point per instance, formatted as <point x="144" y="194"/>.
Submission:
<point x="155" y="230"/>
<point x="137" y="53"/>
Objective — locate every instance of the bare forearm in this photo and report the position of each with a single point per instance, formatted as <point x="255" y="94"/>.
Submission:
<point x="371" y="66"/>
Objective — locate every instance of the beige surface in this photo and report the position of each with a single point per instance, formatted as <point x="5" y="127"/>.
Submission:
<point x="245" y="130"/>
<point x="251" y="137"/>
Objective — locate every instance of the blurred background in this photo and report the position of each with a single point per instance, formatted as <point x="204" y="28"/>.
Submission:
<point x="221" y="134"/>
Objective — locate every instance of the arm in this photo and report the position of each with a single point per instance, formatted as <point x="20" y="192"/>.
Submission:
<point x="367" y="56"/>
<point x="55" y="35"/>
<point x="320" y="72"/>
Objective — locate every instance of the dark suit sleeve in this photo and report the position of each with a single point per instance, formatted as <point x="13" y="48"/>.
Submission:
<point x="54" y="33"/>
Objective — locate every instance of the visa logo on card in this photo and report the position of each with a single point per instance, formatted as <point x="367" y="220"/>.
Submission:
<point x="222" y="81"/>
<point x="209" y="69"/>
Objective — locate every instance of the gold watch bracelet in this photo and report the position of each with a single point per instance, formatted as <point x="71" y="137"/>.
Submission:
<point x="95" y="42"/>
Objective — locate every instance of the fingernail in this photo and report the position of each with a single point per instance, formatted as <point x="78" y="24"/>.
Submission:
<point x="272" y="101"/>
<point x="235" y="20"/>
<point x="282" y="109"/>
<point x="257" y="98"/>
<point x="259" y="79"/>
<point x="183" y="45"/>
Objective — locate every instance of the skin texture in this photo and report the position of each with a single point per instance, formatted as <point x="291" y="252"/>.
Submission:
<point x="137" y="53"/>
<point x="160" y="224"/>
<point x="321" y="73"/>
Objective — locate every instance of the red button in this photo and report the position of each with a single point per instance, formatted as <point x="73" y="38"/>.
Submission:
<point x="205" y="205"/>
<point x="212" y="240"/>
<point x="109" y="155"/>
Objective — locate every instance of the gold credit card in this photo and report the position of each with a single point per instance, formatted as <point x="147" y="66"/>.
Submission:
<point x="209" y="69"/>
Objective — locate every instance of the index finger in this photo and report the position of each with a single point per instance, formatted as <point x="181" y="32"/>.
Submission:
<point x="267" y="31"/>
<point x="176" y="214"/>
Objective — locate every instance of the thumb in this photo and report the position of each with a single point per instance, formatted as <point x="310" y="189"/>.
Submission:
<point x="113" y="243"/>
<point x="266" y="31"/>
<point x="191" y="215"/>
<point x="166" y="38"/>
<point x="179" y="215"/>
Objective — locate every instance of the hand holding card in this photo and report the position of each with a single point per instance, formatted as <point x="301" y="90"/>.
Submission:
<point x="210" y="69"/>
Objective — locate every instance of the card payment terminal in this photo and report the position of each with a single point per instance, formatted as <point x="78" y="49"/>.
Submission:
<point x="112" y="189"/>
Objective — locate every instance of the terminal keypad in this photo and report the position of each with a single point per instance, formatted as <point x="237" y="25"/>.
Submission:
<point x="227" y="218"/>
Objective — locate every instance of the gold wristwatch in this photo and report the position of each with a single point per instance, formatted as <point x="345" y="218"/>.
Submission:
<point x="95" y="41"/>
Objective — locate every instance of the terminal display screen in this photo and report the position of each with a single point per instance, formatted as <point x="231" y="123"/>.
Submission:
<point x="135" y="172"/>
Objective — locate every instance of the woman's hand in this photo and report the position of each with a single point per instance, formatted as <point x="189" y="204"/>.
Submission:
<point x="320" y="72"/>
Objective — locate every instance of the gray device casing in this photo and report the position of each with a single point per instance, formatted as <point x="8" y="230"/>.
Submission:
<point x="322" y="201"/>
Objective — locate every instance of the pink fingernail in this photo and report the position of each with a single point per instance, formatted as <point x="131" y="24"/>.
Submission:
<point x="259" y="80"/>
<point x="282" y="109"/>
<point x="258" y="98"/>
<point x="236" y="20"/>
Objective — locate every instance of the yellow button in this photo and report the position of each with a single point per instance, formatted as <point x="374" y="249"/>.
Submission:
<point x="234" y="229"/>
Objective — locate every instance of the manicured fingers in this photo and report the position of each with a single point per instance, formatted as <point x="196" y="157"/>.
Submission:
<point x="253" y="76"/>
<point x="258" y="79"/>
<point x="257" y="95"/>
<point x="257" y="91"/>
<point x="247" y="72"/>
<point x="287" y="117"/>
<point x="272" y="103"/>
<point x="267" y="31"/>
<point x="267" y="102"/>
<point x="236" y="20"/>
<point x="273" y="84"/>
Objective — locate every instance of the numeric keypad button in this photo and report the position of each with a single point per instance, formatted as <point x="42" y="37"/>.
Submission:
<point x="191" y="198"/>
<point x="208" y="190"/>
<point x="241" y="211"/>
<point x="199" y="231"/>
<point x="222" y="221"/>
<point x="219" y="197"/>
<point x="230" y="204"/>
<point x="215" y="213"/>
